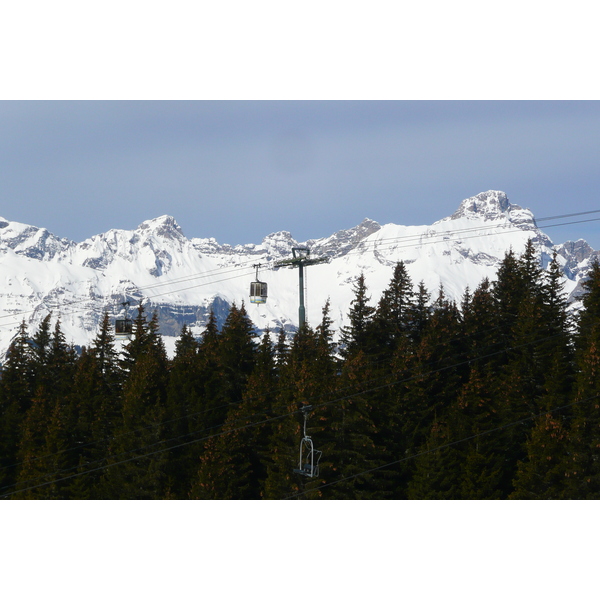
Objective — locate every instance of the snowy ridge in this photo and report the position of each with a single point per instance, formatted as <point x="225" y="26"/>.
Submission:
<point x="183" y="278"/>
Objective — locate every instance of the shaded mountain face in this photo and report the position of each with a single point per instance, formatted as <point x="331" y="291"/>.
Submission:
<point x="182" y="278"/>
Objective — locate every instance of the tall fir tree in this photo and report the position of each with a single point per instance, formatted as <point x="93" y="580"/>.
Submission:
<point x="582" y="461"/>
<point x="543" y="475"/>
<point x="235" y="461"/>
<point x="182" y="402"/>
<point x="15" y="399"/>
<point x="136" y="465"/>
<point x="395" y="313"/>
<point x="358" y="334"/>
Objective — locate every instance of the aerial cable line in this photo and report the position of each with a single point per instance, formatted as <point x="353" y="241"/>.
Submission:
<point x="277" y="390"/>
<point x="143" y="288"/>
<point x="134" y="288"/>
<point x="84" y="310"/>
<point x="571" y="223"/>
<point x="360" y="247"/>
<point x="382" y="241"/>
<point x="277" y="417"/>
<point x="431" y="233"/>
<point x="432" y="238"/>
<point x="587" y="212"/>
<point x="447" y="445"/>
<point x="234" y="430"/>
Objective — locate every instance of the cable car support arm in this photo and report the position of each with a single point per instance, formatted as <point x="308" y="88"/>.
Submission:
<point x="300" y="259"/>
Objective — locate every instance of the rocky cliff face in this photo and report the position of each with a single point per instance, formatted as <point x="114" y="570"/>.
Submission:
<point x="182" y="279"/>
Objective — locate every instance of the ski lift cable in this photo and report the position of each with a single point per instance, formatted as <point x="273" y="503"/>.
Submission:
<point x="441" y="447"/>
<point x="134" y="289"/>
<point x="405" y="242"/>
<point x="138" y="289"/>
<point x="382" y="241"/>
<point x="234" y="430"/>
<point x="278" y="390"/>
<point x="286" y="414"/>
<point x="587" y="212"/>
<point x="359" y="248"/>
<point x="494" y="226"/>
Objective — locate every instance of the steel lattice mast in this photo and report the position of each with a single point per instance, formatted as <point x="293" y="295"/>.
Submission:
<point x="300" y="258"/>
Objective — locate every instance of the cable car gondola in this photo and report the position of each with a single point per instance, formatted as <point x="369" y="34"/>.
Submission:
<point x="258" y="290"/>
<point x="123" y="325"/>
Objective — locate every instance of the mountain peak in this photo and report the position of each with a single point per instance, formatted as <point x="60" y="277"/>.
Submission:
<point x="489" y="205"/>
<point x="493" y="205"/>
<point x="165" y="226"/>
<point x="343" y="241"/>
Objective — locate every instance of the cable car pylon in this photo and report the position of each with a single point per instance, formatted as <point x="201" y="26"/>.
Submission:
<point x="300" y="258"/>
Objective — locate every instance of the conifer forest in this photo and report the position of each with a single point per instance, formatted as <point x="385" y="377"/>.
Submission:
<point x="495" y="398"/>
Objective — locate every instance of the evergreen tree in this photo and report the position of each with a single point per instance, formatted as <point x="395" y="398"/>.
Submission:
<point x="234" y="463"/>
<point x="525" y="306"/>
<point x="204" y="393"/>
<point x="542" y="476"/>
<point x="89" y="427"/>
<point x="302" y="382"/>
<point x="582" y="461"/>
<point x="139" y="342"/>
<point x="42" y="458"/>
<point x="234" y="359"/>
<point x="358" y="334"/>
<point x="436" y="466"/>
<point x="396" y="311"/>
<point x="182" y="402"/>
<point x="236" y="349"/>
<point x="15" y="400"/>
<point x="420" y="312"/>
<point x="439" y="369"/>
<point x="478" y="416"/>
<point x="508" y="291"/>
<point x="40" y="345"/>
<point x="137" y="461"/>
<point x="348" y="432"/>
<point x="482" y="328"/>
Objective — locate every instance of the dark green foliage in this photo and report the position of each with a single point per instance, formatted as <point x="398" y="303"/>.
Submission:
<point x="347" y="435"/>
<point x="438" y="371"/>
<point x="583" y="460"/>
<point x="139" y="437"/>
<point x="395" y="315"/>
<point x="233" y="465"/>
<point x="543" y="476"/>
<point x="358" y="334"/>
<point x="15" y="400"/>
<point x="437" y="467"/>
<point x="306" y="375"/>
<point x="41" y="457"/>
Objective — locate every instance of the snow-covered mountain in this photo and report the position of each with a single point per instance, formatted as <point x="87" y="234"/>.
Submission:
<point x="183" y="278"/>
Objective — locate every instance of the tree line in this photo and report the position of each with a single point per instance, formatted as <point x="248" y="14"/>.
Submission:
<point x="497" y="397"/>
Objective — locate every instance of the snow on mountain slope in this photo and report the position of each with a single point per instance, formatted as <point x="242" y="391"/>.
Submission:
<point x="183" y="278"/>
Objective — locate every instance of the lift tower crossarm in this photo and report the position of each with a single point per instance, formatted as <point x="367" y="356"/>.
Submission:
<point x="300" y="258"/>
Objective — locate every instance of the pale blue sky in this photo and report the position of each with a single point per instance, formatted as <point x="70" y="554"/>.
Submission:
<point x="239" y="170"/>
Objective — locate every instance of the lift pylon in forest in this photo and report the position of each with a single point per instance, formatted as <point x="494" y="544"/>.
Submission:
<point x="300" y="258"/>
